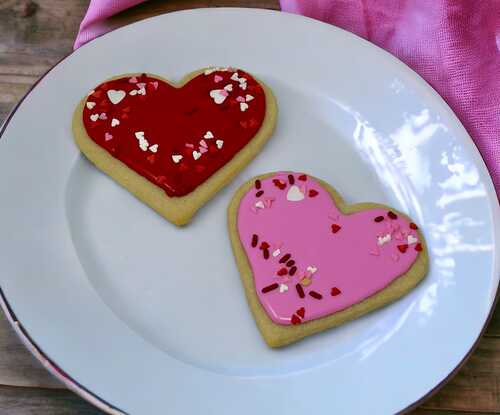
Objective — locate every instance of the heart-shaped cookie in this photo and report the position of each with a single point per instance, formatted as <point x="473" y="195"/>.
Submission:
<point x="175" y="145"/>
<point x="309" y="262"/>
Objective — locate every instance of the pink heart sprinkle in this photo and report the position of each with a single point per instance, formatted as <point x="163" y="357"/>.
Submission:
<point x="217" y="78"/>
<point x="141" y="85"/>
<point x="268" y="201"/>
<point x="133" y="80"/>
<point x="203" y="143"/>
<point x="189" y="145"/>
<point x="108" y="136"/>
<point x="103" y="116"/>
<point x="240" y="99"/>
<point x="155" y="84"/>
<point x="203" y="150"/>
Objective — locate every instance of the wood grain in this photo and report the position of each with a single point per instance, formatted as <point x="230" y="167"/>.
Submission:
<point x="34" y="35"/>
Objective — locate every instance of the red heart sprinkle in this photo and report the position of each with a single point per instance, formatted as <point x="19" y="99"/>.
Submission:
<point x="279" y="183"/>
<point x="264" y="245"/>
<point x="403" y="248"/>
<point x="301" y="312"/>
<point x="413" y="226"/>
<point x="419" y="247"/>
<point x="335" y="228"/>
<point x="282" y="271"/>
<point x="313" y="193"/>
<point x="151" y="158"/>
<point x="295" y="319"/>
<point x="302" y="177"/>
<point x="335" y="291"/>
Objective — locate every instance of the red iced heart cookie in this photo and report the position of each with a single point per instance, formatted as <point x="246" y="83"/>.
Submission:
<point x="328" y="262"/>
<point x="178" y="137"/>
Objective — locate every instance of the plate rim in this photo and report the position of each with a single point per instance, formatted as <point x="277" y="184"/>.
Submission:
<point x="93" y="398"/>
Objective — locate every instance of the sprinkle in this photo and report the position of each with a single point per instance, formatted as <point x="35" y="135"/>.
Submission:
<point x="379" y="219"/>
<point x="381" y="240"/>
<point x="103" y="116"/>
<point x="203" y="143"/>
<point x="279" y="183"/>
<point x="268" y="201"/>
<point x="313" y="193"/>
<point x="418" y="247"/>
<point x="235" y="77"/>
<point x="315" y="295"/>
<point x="208" y="135"/>
<point x="282" y="271"/>
<point x="301" y="312"/>
<point x="294" y="194"/>
<point x="290" y="263"/>
<point x="176" y="158"/>
<point x="240" y="99"/>
<point x="403" y="248"/>
<point x="115" y="96"/>
<point x="264" y="245"/>
<point x="218" y="95"/>
<point x="228" y="87"/>
<point x="258" y="184"/>
<point x="311" y="269"/>
<point x="412" y="239"/>
<point x="255" y="240"/>
<point x="108" y="136"/>
<point x="306" y="281"/>
<point x="291" y="179"/>
<point x="196" y="154"/>
<point x="90" y="105"/>
<point x="139" y="135"/>
<point x="259" y="193"/>
<point x="133" y="80"/>
<point x="336" y="228"/>
<point x="335" y="291"/>
<point x="153" y="148"/>
<point x="293" y="270"/>
<point x="270" y="288"/>
<point x="285" y="258"/>
<point x="94" y="117"/>
<point x="248" y="97"/>
<point x="276" y="253"/>
<point x="392" y="215"/>
<point x="413" y="226"/>
<point x="243" y="106"/>
<point x="295" y="319"/>
<point x="219" y="144"/>
<point x="218" y="78"/>
<point x="260" y="204"/>
<point x="115" y="122"/>
<point x="266" y="253"/>
<point x="283" y="288"/>
<point x="302" y="177"/>
<point x="155" y="84"/>
<point x="300" y="290"/>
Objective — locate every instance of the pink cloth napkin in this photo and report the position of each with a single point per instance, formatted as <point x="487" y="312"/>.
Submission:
<point x="453" y="44"/>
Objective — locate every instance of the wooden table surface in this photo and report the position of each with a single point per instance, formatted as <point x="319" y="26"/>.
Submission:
<point x="33" y="37"/>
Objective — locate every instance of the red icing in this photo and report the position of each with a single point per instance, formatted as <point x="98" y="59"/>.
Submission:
<point x="175" y="119"/>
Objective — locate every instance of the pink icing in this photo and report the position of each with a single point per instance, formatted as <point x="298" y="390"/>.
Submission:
<point x="354" y="258"/>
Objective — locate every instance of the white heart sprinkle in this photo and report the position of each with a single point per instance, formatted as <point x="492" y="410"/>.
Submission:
<point x="243" y="106"/>
<point x="143" y="144"/>
<point x="94" y="117"/>
<point x="208" y="135"/>
<point x="139" y="135"/>
<point x="115" y="96"/>
<point x="384" y="239"/>
<point x="276" y="253"/>
<point x="229" y="87"/>
<point x="196" y="154"/>
<point x="133" y="92"/>
<point x="219" y="144"/>
<point x="259" y="204"/>
<point x="294" y="194"/>
<point x="248" y="97"/>
<point x="311" y="269"/>
<point x="90" y="105"/>
<point x="412" y="239"/>
<point x="176" y="158"/>
<point x="234" y="76"/>
<point x="217" y="96"/>
<point x="115" y="122"/>
<point x="142" y="91"/>
<point x="153" y="148"/>
<point x="243" y="85"/>
<point x="283" y="288"/>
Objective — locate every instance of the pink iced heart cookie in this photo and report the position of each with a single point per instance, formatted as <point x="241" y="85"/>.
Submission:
<point x="309" y="262"/>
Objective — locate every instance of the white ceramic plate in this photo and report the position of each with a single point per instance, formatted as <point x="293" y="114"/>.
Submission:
<point x="152" y="319"/>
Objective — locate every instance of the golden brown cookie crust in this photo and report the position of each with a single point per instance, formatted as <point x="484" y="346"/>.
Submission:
<point x="178" y="210"/>
<point x="277" y="335"/>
